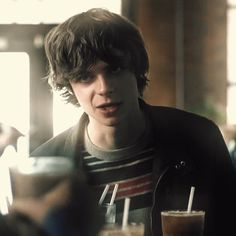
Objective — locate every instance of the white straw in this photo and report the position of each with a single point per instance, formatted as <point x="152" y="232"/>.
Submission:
<point x="126" y="213"/>
<point x="104" y="193"/>
<point x="190" y="200"/>
<point x="114" y="194"/>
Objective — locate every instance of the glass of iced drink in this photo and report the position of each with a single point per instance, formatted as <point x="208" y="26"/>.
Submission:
<point x="34" y="176"/>
<point x="182" y="223"/>
<point x="108" y="212"/>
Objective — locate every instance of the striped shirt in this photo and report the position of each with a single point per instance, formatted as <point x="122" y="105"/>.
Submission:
<point x="129" y="167"/>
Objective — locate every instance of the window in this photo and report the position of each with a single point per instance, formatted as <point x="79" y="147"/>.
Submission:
<point x="14" y="95"/>
<point x="14" y="90"/>
<point x="231" y="60"/>
<point x="49" y="11"/>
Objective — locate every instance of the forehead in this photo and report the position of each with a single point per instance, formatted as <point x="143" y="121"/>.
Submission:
<point x="98" y="66"/>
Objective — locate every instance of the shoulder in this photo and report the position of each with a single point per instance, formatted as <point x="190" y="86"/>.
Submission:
<point x="173" y="121"/>
<point x="183" y="134"/>
<point x="56" y="145"/>
<point x="65" y="143"/>
<point x="177" y="116"/>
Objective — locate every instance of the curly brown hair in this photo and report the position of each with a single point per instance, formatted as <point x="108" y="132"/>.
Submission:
<point x="97" y="34"/>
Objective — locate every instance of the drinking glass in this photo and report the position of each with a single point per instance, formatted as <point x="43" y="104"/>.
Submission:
<point x="34" y="176"/>
<point x="182" y="223"/>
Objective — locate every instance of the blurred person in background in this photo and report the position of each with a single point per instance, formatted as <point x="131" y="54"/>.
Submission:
<point x="98" y="61"/>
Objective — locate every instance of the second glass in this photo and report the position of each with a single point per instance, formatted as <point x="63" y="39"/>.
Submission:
<point x="108" y="211"/>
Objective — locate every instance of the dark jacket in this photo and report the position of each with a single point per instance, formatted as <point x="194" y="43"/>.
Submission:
<point x="190" y="151"/>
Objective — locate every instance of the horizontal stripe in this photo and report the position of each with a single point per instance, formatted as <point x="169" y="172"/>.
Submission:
<point x="134" y="181"/>
<point x="90" y="158"/>
<point x="134" y="187"/>
<point x="121" y="166"/>
<point x="122" y="182"/>
<point x="139" y="190"/>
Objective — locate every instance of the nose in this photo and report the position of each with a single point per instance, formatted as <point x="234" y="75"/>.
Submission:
<point x="105" y="86"/>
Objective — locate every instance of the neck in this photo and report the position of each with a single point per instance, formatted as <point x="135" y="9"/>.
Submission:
<point x="118" y="136"/>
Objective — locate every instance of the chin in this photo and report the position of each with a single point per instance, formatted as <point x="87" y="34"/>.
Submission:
<point x="112" y="122"/>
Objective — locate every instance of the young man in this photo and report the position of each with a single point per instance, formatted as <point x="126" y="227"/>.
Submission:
<point x="98" y="61"/>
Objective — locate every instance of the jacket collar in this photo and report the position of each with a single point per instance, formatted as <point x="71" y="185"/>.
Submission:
<point x="169" y="154"/>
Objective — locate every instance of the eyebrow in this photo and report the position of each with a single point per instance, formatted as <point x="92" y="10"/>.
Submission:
<point x="97" y="67"/>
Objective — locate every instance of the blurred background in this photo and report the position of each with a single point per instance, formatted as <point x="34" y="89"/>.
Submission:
<point x="191" y="44"/>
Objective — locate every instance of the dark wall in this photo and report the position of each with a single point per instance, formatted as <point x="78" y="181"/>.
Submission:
<point x="156" y="19"/>
<point x="205" y="57"/>
<point x="186" y="41"/>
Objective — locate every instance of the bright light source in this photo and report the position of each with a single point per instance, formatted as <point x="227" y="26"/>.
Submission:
<point x="232" y="2"/>
<point x="64" y="115"/>
<point x="3" y="43"/>
<point x="231" y="105"/>
<point x="49" y="11"/>
<point x="231" y="68"/>
<point x="14" y="90"/>
<point x="231" y="46"/>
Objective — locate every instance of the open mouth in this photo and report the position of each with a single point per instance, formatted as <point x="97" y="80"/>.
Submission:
<point x="109" y="107"/>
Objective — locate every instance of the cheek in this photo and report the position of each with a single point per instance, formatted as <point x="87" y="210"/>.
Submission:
<point x="76" y="92"/>
<point x="84" y="96"/>
<point x="130" y="85"/>
<point x="80" y="97"/>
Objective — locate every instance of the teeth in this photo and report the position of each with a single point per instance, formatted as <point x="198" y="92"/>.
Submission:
<point x="108" y="105"/>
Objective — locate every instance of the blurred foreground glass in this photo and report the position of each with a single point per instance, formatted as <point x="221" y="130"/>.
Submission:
<point x="182" y="223"/>
<point x="116" y="230"/>
<point x="34" y="176"/>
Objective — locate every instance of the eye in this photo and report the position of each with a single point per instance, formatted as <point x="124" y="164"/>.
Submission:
<point x="115" y="69"/>
<point x="85" y="78"/>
